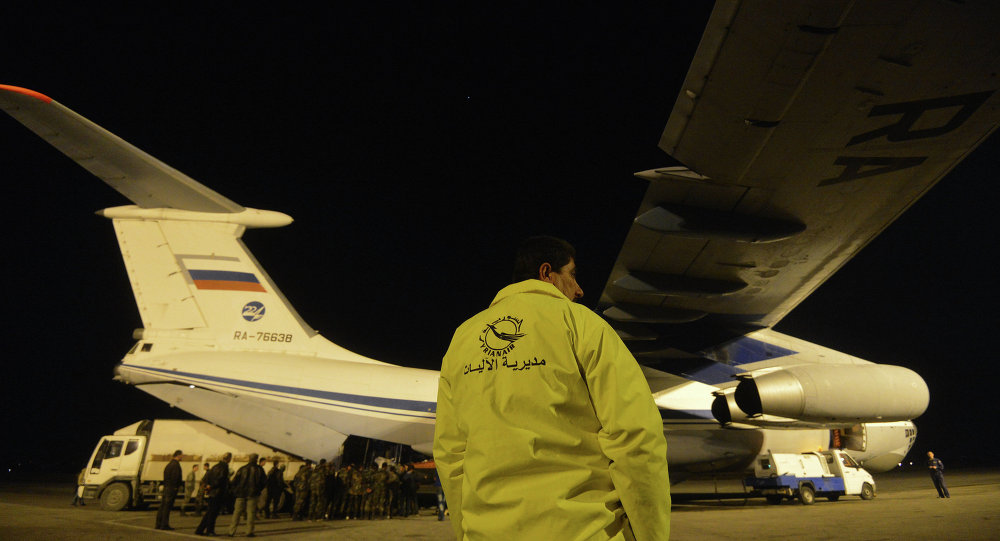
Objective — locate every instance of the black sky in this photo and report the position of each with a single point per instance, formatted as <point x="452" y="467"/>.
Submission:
<point x="414" y="149"/>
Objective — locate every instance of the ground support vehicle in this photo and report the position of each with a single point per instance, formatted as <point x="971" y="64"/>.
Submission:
<point x="126" y="468"/>
<point x="830" y="474"/>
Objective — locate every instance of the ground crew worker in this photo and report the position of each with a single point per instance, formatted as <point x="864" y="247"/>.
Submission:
<point x="568" y="442"/>
<point x="172" y="482"/>
<point x="936" y="469"/>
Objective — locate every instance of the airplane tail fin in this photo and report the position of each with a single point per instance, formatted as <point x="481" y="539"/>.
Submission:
<point x="198" y="276"/>
<point x="197" y="285"/>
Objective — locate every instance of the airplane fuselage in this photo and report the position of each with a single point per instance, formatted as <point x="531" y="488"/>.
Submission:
<point x="307" y="394"/>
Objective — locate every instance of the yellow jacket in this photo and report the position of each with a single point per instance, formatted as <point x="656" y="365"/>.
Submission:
<point x="546" y="428"/>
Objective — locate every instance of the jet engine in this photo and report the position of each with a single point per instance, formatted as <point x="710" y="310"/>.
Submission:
<point x="834" y="393"/>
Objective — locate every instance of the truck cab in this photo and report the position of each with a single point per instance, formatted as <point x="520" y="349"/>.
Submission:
<point x="113" y="468"/>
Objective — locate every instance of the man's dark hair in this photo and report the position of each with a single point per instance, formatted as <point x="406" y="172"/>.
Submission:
<point x="541" y="249"/>
<point x="178" y="453"/>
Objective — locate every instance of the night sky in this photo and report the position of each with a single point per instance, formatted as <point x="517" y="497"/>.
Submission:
<point x="414" y="149"/>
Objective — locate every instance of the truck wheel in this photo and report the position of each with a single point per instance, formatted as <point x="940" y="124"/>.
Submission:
<point x="807" y="495"/>
<point x="115" y="497"/>
<point x="774" y="499"/>
<point x="833" y="497"/>
<point x="867" y="491"/>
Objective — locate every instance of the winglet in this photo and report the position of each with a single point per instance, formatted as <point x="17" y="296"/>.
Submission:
<point x="27" y="92"/>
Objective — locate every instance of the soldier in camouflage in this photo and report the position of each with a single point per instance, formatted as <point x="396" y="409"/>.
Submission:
<point x="355" y="491"/>
<point x="379" y="480"/>
<point x="317" y="491"/>
<point x="300" y="484"/>
<point x="367" y="500"/>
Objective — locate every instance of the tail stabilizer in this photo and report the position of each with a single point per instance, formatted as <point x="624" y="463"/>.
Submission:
<point x="195" y="283"/>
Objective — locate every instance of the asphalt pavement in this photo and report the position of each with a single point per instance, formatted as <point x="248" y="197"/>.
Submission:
<point x="906" y="507"/>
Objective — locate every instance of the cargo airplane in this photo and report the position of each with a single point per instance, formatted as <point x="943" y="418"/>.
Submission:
<point x="805" y="129"/>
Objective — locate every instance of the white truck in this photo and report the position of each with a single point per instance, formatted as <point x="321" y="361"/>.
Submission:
<point x="832" y="474"/>
<point x="126" y="468"/>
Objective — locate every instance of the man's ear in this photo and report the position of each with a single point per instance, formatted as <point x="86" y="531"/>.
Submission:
<point x="543" y="272"/>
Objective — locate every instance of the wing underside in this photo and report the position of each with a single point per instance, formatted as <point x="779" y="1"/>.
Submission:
<point x="804" y="129"/>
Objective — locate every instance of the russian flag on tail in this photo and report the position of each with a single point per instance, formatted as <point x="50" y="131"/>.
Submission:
<point x="226" y="280"/>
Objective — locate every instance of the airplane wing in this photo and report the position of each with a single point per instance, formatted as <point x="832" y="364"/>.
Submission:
<point x="146" y="181"/>
<point x="806" y="128"/>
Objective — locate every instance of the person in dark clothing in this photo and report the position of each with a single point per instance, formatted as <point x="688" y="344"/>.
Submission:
<point x="172" y="482"/>
<point x="275" y="488"/>
<point x="247" y="485"/>
<point x="409" y="492"/>
<point x="936" y="469"/>
<point x="216" y="483"/>
<point x="201" y="489"/>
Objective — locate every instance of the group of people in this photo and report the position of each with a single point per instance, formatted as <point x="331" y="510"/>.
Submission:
<point x="321" y="492"/>
<point x="326" y="492"/>
<point x="216" y="488"/>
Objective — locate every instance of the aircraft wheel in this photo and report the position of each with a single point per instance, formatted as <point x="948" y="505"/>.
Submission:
<point x="867" y="491"/>
<point x="807" y="495"/>
<point x="774" y="499"/>
<point x="833" y="497"/>
<point x="115" y="497"/>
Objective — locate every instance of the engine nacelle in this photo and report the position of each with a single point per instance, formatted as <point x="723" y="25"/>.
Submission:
<point x="834" y="393"/>
<point x="724" y="407"/>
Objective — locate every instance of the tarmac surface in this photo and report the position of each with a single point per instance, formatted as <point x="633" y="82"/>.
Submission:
<point x="907" y="507"/>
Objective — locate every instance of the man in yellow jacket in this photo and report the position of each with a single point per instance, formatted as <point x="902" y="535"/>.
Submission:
<point x="546" y="428"/>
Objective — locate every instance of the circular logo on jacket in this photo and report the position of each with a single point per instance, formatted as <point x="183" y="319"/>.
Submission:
<point x="253" y="311"/>
<point x="498" y="337"/>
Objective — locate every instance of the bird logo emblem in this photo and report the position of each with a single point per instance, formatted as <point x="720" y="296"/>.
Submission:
<point x="498" y="337"/>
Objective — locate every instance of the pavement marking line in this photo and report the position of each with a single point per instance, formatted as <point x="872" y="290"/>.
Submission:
<point x="148" y="529"/>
